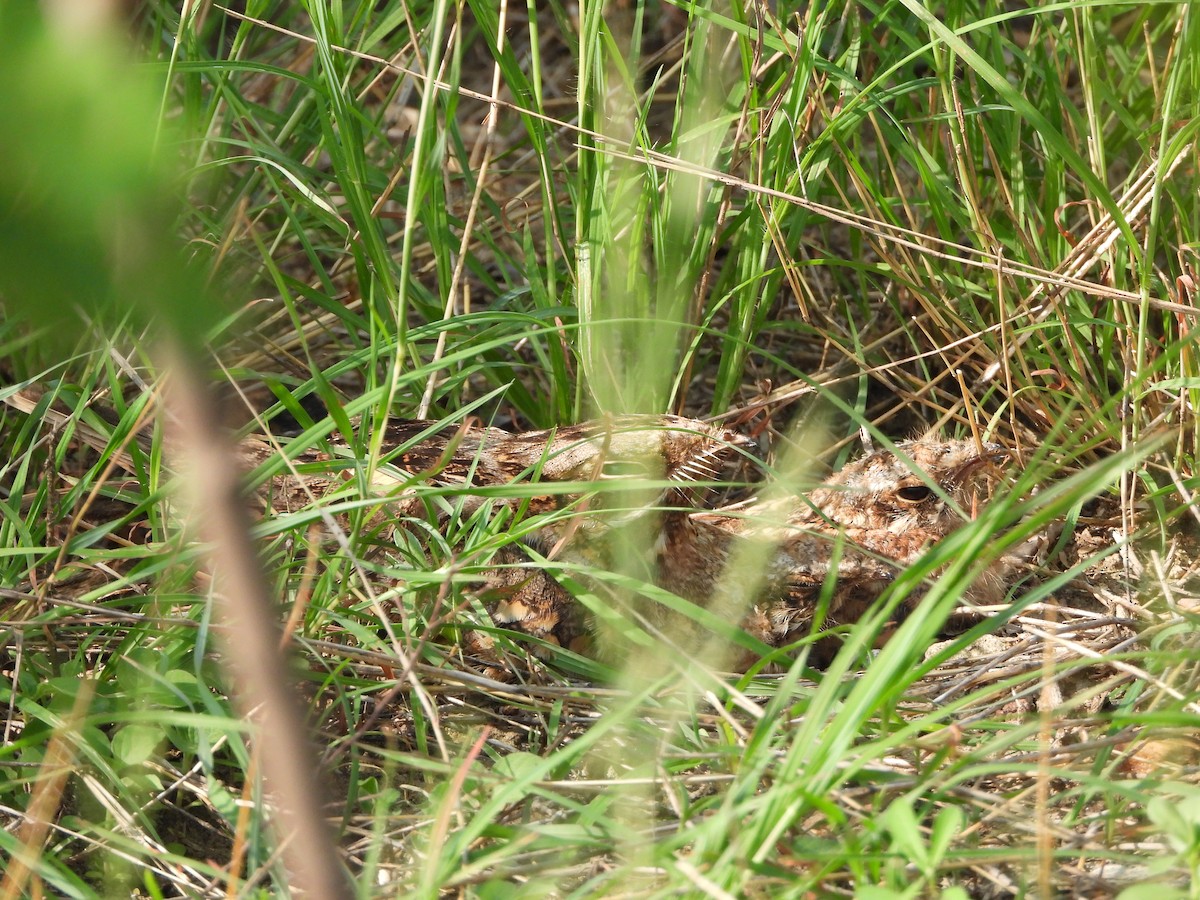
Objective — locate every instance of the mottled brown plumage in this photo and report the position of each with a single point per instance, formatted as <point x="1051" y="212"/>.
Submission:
<point x="672" y="451"/>
<point x="875" y="517"/>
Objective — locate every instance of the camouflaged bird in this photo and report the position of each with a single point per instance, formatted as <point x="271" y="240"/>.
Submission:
<point x="846" y="539"/>
<point x="829" y="555"/>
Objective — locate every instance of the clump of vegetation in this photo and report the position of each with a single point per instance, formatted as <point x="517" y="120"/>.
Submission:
<point x="822" y="223"/>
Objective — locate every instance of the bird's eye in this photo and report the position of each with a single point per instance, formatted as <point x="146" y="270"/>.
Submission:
<point x="915" y="493"/>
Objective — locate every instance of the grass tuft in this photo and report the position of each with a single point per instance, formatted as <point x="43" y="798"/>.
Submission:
<point x="827" y="224"/>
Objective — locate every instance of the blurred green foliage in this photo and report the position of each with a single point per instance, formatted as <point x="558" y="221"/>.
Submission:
<point x="88" y="194"/>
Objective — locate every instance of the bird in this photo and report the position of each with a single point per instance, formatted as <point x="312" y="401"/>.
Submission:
<point x="830" y="551"/>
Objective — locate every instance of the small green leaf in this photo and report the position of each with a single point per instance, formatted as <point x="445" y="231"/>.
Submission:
<point x="136" y="743"/>
<point x="901" y="823"/>
<point x="946" y="827"/>
<point x="222" y="800"/>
